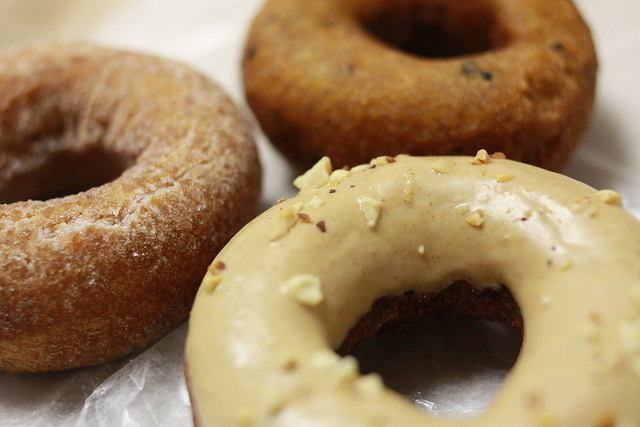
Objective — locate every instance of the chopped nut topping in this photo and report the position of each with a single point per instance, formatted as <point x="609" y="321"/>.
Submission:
<point x="315" y="177"/>
<point x="504" y="177"/>
<point x="304" y="218"/>
<point x="338" y="175"/>
<point x="360" y="168"/>
<point x="463" y="209"/>
<point x="407" y="193"/>
<point x="346" y="369"/>
<point x="321" y="225"/>
<point x="340" y="369"/>
<point x="381" y="161"/>
<point x="316" y="202"/>
<point x="370" y="385"/>
<point x="476" y="219"/>
<point x="410" y="177"/>
<point x="566" y="264"/>
<point x="443" y="166"/>
<point x="610" y="197"/>
<point x="575" y="204"/>
<point x="370" y="208"/>
<point x="582" y="204"/>
<point x="286" y="219"/>
<point x="306" y="288"/>
<point x="498" y="156"/>
<point x="211" y="281"/>
<point x="216" y="267"/>
<point x="591" y="211"/>
<point x="482" y="157"/>
<point x="421" y="249"/>
<point x="324" y="359"/>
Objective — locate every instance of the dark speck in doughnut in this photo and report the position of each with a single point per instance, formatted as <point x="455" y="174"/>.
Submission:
<point x="486" y="75"/>
<point x="251" y="52"/>
<point x="557" y="46"/>
<point x="468" y="67"/>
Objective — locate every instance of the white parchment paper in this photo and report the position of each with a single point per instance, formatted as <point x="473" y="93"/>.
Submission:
<point x="148" y="389"/>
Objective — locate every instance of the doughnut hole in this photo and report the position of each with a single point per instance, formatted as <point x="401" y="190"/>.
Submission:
<point x="448" y="352"/>
<point x="53" y="161"/>
<point x="436" y="28"/>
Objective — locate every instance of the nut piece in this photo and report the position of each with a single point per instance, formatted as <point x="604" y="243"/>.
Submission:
<point x="306" y="288"/>
<point x="338" y="175"/>
<point x="370" y="385"/>
<point x="610" y="197"/>
<point x="504" y="177"/>
<point x="315" y="177"/>
<point x="211" y="281"/>
<point x="443" y="166"/>
<point x="476" y="219"/>
<point x="286" y="219"/>
<point x="316" y="202"/>
<point x="482" y="157"/>
<point x="370" y="208"/>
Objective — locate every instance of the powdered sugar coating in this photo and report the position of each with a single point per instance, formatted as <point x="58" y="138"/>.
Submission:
<point x="93" y="275"/>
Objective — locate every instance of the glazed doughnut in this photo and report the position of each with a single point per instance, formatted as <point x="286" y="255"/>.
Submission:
<point x="121" y="176"/>
<point x="354" y="79"/>
<point x="300" y="279"/>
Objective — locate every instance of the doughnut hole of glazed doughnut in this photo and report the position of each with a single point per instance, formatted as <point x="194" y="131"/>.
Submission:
<point x="121" y="176"/>
<point x="299" y="286"/>
<point x="355" y="79"/>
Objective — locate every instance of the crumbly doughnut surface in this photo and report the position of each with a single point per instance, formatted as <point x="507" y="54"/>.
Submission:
<point x="296" y="282"/>
<point x="356" y="79"/>
<point x="121" y="176"/>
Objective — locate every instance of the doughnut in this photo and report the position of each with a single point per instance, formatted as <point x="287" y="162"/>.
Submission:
<point x="354" y="79"/>
<point x="121" y="176"/>
<point x="515" y="242"/>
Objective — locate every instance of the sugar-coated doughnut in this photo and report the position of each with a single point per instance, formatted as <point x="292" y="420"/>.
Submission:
<point x="296" y="282"/>
<point x="121" y="176"/>
<point x="356" y="79"/>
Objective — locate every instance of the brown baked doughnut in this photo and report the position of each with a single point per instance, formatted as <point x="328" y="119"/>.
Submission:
<point x="355" y="79"/>
<point x="121" y="176"/>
